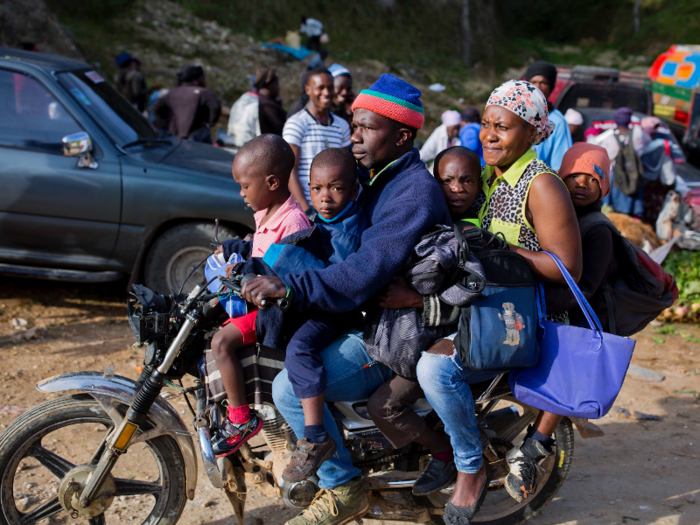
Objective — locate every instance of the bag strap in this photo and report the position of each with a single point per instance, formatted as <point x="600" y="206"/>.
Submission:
<point x="591" y="317"/>
<point x="611" y="309"/>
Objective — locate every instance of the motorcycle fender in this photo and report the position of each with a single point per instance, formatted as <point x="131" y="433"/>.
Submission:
<point x="110" y="391"/>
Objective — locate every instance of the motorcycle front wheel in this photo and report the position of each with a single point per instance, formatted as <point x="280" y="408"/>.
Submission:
<point x="49" y="450"/>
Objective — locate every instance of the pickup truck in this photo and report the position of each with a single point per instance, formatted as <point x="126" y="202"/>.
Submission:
<point x="91" y="193"/>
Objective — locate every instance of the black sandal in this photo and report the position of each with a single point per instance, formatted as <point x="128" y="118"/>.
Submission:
<point x="463" y="515"/>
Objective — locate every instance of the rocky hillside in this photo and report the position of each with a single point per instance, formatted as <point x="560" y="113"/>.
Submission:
<point x="32" y="21"/>
<point x="166" y="36"/>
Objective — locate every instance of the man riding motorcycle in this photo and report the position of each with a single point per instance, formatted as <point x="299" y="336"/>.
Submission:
<point x="402" y="202"/>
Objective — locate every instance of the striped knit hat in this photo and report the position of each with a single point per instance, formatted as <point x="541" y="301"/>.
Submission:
<point x="393" y="98"/>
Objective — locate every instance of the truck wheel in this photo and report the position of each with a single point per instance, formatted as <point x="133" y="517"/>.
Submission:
<point x="177" y="252"/>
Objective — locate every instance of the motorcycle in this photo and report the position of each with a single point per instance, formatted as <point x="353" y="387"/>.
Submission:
<point x="134" y="428"/>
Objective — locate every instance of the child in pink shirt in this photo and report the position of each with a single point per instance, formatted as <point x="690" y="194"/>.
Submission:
<point x="262" y="168"/>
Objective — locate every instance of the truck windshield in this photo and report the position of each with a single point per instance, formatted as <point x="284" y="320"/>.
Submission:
<point x="111" y="111"/>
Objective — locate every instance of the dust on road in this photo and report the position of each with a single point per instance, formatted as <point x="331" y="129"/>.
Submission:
<point x="639" y="473"/>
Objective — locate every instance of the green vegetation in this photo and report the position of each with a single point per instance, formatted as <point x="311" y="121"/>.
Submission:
<point x="685" y="268"/>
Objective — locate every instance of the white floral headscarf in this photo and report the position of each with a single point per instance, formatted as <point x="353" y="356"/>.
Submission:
<point x="526" y="101"/>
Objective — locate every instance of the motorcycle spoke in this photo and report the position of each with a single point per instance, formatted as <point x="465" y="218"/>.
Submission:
<point x="58" y="466"/>
<point x="132" y="487"/>
<point x="98" y="520"/>
<point x="43" y="511"/>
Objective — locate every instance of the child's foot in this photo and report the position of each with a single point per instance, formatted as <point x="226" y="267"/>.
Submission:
<point x="307" y="459"/>
<point x="230" y="436"/>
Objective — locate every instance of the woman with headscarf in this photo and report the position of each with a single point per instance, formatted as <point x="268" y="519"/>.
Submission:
<point x="658" y="159"/>
<point x="615" y="140"/>
<point x="530" y="206"/>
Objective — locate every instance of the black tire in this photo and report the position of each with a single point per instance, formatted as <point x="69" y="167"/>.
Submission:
<point x="564" y="437"/>
<point x="177" y="251"/>
<point x="21" y="439"/>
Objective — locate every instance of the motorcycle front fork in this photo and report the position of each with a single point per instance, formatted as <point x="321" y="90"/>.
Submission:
<point x="118" y="441"/>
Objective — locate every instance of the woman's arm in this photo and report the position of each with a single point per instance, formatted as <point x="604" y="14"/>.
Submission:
<point x="551" y="213"/>
<point x="598" y="264"/>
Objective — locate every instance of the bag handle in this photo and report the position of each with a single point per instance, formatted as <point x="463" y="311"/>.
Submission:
<point x="591" y="317"/>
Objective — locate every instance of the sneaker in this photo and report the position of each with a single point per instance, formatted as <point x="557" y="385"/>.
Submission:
<point x="307" y="459"/>
<point x="436" y="476"/>
<point x="523" y="463"/>
<point x="230" y="436"/>
<point x="341" y="505"/>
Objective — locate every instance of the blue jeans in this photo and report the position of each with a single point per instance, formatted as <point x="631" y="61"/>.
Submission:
<point x="350" y="375"/>
<point x="445" y="382"/>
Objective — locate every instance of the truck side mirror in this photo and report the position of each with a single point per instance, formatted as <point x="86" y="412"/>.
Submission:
<point x="80" y="145"/>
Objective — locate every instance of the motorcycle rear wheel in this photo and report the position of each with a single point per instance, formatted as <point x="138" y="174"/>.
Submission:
<point x="24" y="447"/>
<point x="514" y="513"/>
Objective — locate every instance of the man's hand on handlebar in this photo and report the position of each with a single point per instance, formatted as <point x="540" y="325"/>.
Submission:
<point x="263" y="287"/>
<point x="219" y="250"/>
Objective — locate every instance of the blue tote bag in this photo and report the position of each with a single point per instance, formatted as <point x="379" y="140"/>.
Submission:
<point x="580" y="370"/>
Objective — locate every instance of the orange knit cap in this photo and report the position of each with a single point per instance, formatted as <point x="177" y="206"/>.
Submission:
<point x="588" y="158"/>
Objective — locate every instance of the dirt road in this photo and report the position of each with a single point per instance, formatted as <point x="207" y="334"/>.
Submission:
<point x="640" y="473"/>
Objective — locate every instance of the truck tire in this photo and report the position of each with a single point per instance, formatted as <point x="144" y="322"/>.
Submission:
<point x="177" y="252"/>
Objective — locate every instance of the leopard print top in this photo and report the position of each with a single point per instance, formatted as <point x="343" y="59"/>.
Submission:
<point x="505" y="209"/>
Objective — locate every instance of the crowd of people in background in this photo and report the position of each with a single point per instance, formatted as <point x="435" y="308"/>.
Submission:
<point x="320" y="119"/>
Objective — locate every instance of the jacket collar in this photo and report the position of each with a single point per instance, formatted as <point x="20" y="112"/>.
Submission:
<point x="404" y="162"/>
<point x="512" y="175"/>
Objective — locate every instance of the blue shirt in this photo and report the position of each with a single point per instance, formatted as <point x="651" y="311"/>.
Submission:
<point x="552" y="150"/>
<point x="469" y="137"/>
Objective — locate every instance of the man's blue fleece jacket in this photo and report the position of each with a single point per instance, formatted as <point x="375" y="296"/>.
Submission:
<point x="402" y="204"/>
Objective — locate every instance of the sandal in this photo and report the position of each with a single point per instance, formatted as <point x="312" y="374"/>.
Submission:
<point x="463" y="515"/>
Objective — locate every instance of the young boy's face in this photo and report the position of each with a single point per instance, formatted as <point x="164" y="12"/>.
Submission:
<point x="583" y="188"/>
<point x="460" y="180"/>
<point x="331" y="190"/>
<point x="256" y="189"/>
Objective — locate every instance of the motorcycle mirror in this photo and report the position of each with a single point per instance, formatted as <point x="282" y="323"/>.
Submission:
<point x="216" y="230"/>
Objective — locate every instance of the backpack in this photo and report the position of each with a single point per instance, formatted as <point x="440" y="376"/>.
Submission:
<point x="498" y="329"/>
<point x="639" y="290"/>
<point x="628" y="167"/>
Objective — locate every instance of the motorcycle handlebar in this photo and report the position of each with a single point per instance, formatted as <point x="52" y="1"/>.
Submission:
<point x="235" y="285"/>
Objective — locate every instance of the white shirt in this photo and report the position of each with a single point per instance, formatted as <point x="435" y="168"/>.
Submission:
<point x="312" y="27"/>
<point x="244" y="120"/>
<point x="304" y="131"/>
<point x="437" y="142"/>
<point x="608" y="140"/>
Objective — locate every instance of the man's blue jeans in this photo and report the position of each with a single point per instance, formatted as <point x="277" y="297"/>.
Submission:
<point x="445" y="382"/>
<point x="350" y="375"/>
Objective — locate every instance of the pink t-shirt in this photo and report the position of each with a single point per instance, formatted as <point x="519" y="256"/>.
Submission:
<point x="290" y="218"/>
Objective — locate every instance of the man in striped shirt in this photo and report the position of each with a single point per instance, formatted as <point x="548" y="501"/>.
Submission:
<point x="312" y="130"/>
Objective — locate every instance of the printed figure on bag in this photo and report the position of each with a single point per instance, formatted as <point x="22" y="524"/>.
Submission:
<point x="514" y="323"/>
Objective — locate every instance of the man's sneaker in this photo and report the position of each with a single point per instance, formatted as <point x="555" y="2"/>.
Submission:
<point x="523" y="464"/>
<point x="230" y="436"/>
<point x="341" y="505"/>
<point x="307" y="459"/>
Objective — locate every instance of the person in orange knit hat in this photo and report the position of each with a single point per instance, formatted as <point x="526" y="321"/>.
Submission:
<point x="585" y="169"/>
